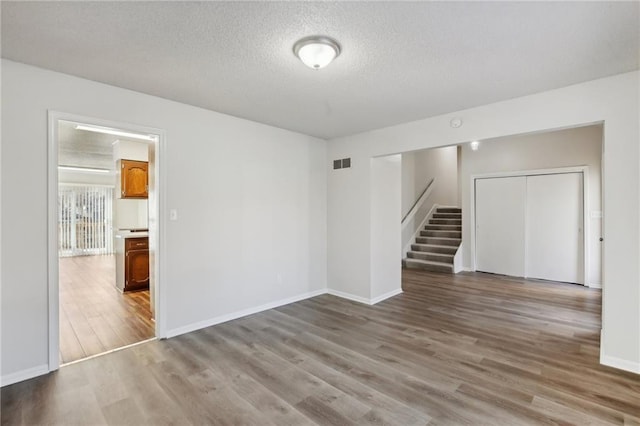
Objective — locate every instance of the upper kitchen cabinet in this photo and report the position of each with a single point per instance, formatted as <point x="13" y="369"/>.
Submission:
<point x="134" y="179"/>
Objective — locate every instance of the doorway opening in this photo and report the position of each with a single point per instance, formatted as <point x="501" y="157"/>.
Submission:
<point x="103" y="207"/>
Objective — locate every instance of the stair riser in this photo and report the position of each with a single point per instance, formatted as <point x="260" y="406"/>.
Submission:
<point x="442" y="234"/>
<point x="454" y="228"/>
<point x="447" y="216"/>
<point x="438" y="241"/>
<point x="432" y="268"/>
<point x="448" y="210"/>
<point x="439" y="249"/>
<point x="431" y="256"/>
<point x="445" y="222"/>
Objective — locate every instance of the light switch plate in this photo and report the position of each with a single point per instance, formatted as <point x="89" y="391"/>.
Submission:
<point x="173" y="214"/>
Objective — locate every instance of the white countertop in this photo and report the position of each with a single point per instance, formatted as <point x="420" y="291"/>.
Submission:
<point x="125" y="234"/>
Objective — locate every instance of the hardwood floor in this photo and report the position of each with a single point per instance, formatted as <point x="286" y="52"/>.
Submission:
<point x="467" y="349"/>
<point x="94" y="316"/>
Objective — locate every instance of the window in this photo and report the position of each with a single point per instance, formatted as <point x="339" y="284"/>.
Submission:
<point x="85" y="220"/>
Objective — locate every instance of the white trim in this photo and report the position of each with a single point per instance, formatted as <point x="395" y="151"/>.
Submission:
<point x="457" y="259"/>
<point x="349" y="296"/>
<point x="52" y="232"/>
<point x="412" y="240"/>
<point x="242" y="313"/>
<point x="364" y="300"/>
<point x="619" y="363"/>
<point x="52" y="244"/>
<point x="27" y="374"/>
<point x="109" y="351"/>
<point x="551" y="171"/>
<point x="385" y="296"/>
<point x="584" y="170"/>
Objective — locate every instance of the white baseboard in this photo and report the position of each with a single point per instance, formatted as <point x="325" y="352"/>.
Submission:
<point x="385" y="296"/>
<point x="27" y="374"/>
<point x="364" y="300"/>
<point x="621" y="364"/>
<point x="349" y="296"/>
<point x="595" y="285"/>
<point x="242" y="313"/>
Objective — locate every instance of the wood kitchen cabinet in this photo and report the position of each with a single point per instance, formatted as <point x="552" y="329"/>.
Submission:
<point x="134" y="179"/>
<point x="136" y="264"/>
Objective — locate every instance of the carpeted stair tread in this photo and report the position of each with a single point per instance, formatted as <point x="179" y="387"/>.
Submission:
<point x="428" y="265"/>
<point x="441" y="233"/>
<point x="433" y="248"/>
<point x="436" y="257"/>
<point x="441" y="241"/>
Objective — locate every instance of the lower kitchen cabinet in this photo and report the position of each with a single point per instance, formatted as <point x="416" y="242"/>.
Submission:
<point x="132" y="264"/>
<point x="137" y="265"/>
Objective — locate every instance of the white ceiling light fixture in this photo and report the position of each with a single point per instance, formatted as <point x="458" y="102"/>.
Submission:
<point x="115" y="132"/>
<point x="316" y="51"/>
<point x="474" y="145"/>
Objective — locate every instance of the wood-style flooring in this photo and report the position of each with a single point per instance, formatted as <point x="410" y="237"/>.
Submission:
<point x="95" y="317"/>
<point x="466" y="349"/>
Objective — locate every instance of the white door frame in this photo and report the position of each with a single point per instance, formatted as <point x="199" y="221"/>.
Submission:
<point x="156" y="231"/>
<point x="585" y="200"/>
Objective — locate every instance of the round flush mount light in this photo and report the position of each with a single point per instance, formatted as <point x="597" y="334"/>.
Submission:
<point x="455" y="122"/>
<point x="316" y="51"/>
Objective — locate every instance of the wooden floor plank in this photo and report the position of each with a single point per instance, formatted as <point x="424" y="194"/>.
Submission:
<point x="94" y="316"/>
<point x="470" y="348"/>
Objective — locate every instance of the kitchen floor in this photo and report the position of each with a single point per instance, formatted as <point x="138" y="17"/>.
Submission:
<point x="95" y="317"/>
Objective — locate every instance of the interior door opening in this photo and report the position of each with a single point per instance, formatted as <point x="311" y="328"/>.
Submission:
<point x="106" y="200"/>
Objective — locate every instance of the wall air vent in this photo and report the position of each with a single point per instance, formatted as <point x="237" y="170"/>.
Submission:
<point x="344" y="163"/>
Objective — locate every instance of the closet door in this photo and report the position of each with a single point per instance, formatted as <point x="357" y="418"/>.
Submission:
<point x="554" y="242"/>
<point x="500" y="225"/>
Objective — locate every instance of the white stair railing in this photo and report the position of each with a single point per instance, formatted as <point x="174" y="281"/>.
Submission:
<point x="418" y="203"/>
<point x="421" y="204"/>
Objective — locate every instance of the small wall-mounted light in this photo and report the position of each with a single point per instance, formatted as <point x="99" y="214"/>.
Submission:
<point x="474" y="145"/>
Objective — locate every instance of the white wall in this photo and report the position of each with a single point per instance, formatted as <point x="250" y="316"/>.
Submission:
<point x="409" y="187"/>
<point x="251" y="201"/>
<point x="419" y="167"/>
<point x="130" y="150"/>
<point x="613" y="100"/>
<point x="385" y="226"/>
<point x="439" y="163"/>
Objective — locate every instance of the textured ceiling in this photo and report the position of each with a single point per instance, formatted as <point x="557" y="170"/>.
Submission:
<point x="401" y="61"/>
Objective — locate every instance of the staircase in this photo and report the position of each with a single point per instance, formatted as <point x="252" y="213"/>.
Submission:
<point x="438" y="242"/>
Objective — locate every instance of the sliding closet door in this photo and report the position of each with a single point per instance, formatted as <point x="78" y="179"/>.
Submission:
<point x="554" y="243"/>
<point x="500" y="225"/>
